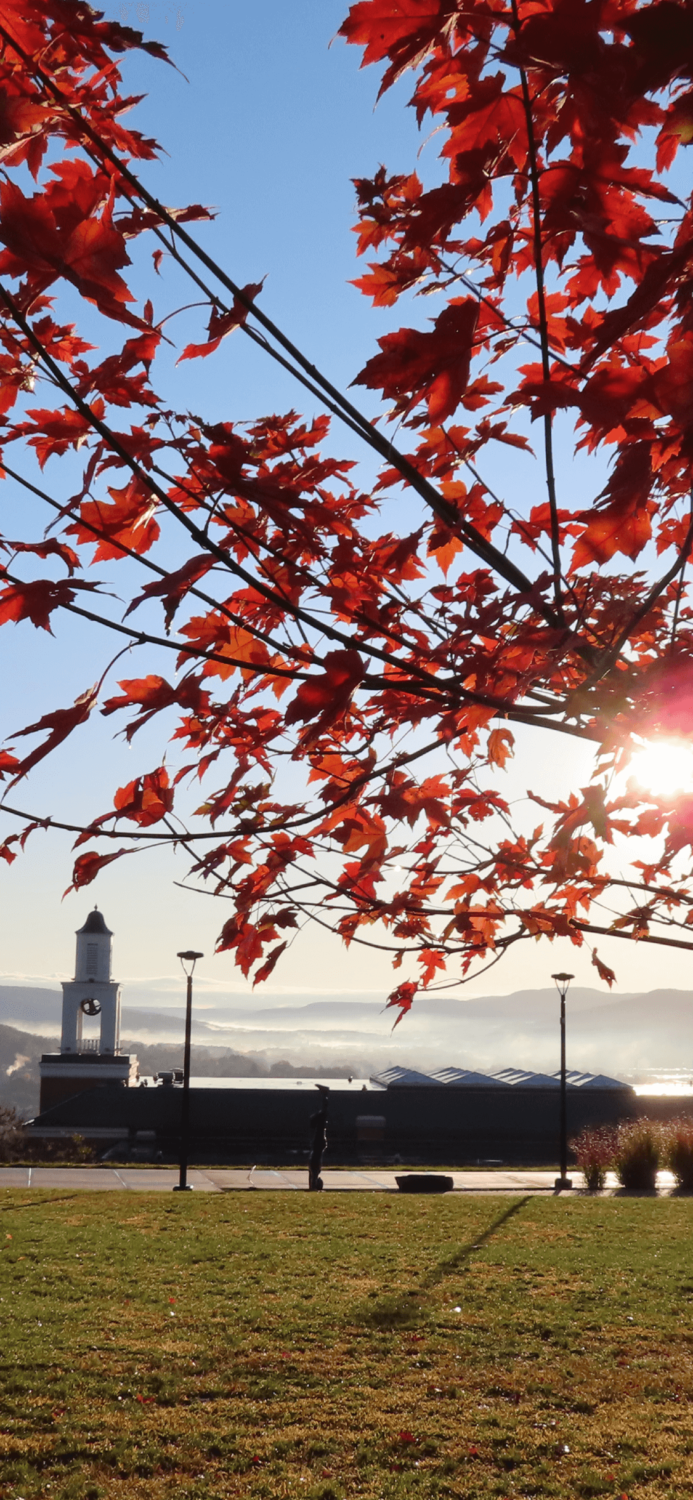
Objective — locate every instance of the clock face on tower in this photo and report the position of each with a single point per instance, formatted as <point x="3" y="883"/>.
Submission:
<point x="91" y="1007"/>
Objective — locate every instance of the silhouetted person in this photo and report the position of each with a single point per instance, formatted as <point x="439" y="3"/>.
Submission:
<point x="318" y="1125"/>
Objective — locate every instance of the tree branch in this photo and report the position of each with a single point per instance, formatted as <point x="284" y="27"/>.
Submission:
<point x="543" y="320"/>
<point x="447" y="513"/>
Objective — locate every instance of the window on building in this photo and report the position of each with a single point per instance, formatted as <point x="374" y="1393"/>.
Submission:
<point x="92" y="960"/>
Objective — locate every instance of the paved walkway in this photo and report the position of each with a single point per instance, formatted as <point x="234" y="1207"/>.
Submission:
<point x="243" y="1179"/>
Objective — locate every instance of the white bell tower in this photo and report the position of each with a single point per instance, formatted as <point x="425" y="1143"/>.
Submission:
<point x="88" y="1062"/>
<point x="92" y="992"/>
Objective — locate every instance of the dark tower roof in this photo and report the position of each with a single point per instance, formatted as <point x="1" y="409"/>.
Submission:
<point x="95" y="923"/>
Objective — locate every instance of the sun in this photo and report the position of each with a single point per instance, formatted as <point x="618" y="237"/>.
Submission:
<point x="664" y="767"/>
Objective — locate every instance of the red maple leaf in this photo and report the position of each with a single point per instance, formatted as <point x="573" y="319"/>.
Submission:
<point x="402" y="30"/>
<point x="147" y="799"/>
<point x="327" y="695"/>
<point x="434" y="367"/>
<point x="130" y="519"/>
<point x="36" y="601"/>
<point x="222" y="323"/>
<point x="87" y="867"/>
<point x="61" y="723"/>
<point x="173" y="588"/>
<point x="403" y="998"/>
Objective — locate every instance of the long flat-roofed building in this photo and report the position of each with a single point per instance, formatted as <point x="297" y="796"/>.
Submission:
<point x="454" y="1117"/>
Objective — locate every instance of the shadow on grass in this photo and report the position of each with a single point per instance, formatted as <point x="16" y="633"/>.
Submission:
<point x="10" y="1208"/>
<point x="405" y="1309"/>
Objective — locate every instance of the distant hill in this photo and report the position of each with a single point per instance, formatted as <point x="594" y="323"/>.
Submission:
<point x="620" y="1034"/>
<point x="606" y="1033"/>
<point x="19" y="1059"/>
<point x="31" y="1009"/>
<point x="20" y="1053"/>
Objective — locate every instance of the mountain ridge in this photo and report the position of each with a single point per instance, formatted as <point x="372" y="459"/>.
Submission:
<point x="624" y="1034"/>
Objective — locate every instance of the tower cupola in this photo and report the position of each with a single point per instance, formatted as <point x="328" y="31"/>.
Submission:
<point x="93" y="959"/>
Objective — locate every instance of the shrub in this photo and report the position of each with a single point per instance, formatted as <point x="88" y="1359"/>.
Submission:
<point x="678" y="1150"/>
<point x="639" y="1150"/>
<point x="595" y="1151"/>
<point x="17" y="1144"/>
<point x="12" y="1136"/>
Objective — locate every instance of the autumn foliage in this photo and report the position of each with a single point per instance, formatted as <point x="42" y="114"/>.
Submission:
<point x="306" y="629"/>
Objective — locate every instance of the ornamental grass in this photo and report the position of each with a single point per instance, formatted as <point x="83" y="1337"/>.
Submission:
<point x="595" y="1152"/>
<point x="678" y="1151"/>
<point x="635" y="1150"/>
<point x="640" y="1147"/>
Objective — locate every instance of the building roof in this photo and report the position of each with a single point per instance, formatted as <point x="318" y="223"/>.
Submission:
<point x="95" y="923"/>
<point x="278" y="1085"/>
<point x="523" y="1078"/>
<point x="464" y="1078"/>
<point x="392" y="1077"/>
<point x="516" y="1078"/>
<point x="593" y="1081"/>
<point x="396" y="1077"/>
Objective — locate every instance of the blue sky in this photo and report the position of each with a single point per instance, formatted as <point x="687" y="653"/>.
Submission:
<point x="269" y="126"/>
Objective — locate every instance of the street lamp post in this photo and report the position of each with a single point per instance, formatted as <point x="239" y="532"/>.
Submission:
<point x="562" y="982"/>
<point x="183" y="1186"/>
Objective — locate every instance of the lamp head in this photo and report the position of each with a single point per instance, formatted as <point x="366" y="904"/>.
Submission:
<point x="189" y="957"/>
<point x="562" y="982"/>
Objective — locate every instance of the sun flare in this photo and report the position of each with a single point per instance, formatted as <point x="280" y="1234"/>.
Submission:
<point x="664" y="767"/>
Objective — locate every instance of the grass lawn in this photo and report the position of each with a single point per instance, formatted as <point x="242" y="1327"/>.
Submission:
<point x="326" y="1346"/>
